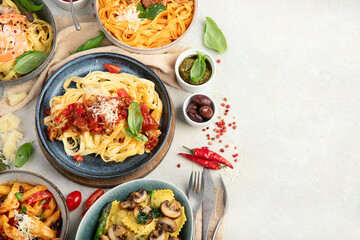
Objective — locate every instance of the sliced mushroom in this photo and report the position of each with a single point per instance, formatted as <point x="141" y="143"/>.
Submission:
<point x="173" y="210"/>
<point x="116" y="232"/>
<point x="174" y="238"/>
<point x="139" y="196"/>
<point x="104" y="237"/>
<point x="146" y="210"/>
<point x="129" y="204"/>
<point x="168" y="224"/>
<point x="157" y="234"/>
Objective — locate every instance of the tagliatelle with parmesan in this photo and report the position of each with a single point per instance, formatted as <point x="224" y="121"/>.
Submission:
<point x="18" y="35"/>
<point x="91" y="118"/>
<point x="122" y="21"/>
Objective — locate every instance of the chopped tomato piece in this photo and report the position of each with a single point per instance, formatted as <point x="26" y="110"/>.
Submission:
<point x="122" y="93"/>
<point x="78" y="158"/>
<point x="72" y="107"/>
<point x="112" y="68"/>
<point x="66" y="112"/>
<point x="46" y="206"/>
<point x="149" y="122"/>
<point x="79" y="111"/>
<point x="39" y="196"/>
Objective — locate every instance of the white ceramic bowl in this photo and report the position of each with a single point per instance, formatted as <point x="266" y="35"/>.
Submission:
<point x="186" y="86"/>
<point x="66" y="5"/>
<point x="199" y="124"/>
<point x="33" y="179"/>
<point x="162" y="49"/>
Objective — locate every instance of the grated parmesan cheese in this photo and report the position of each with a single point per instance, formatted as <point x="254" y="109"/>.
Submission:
<point x="24" y="223"/>
<point x="108" y="109"/>
<point x="129" y="14"/>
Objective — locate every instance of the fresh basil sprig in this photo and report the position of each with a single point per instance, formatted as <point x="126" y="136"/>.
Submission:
<point x="23" y="154"/>
<point x="198" y="68"/>
<point x="135" y="120"/>
<point x="213" y="37"/>
<point x="29" y="5"/>
<point x="151" y="12"/>
<point x="92" y="43"/>
<point x="28" y="61"/>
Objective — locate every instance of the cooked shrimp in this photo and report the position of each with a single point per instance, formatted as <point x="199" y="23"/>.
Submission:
<point x="13" y="41"/>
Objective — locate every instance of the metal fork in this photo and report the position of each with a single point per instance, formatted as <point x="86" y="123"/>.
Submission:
<point x="195" y="194"/>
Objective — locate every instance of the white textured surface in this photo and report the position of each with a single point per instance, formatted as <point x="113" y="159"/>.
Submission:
<point x="291" y="74"/>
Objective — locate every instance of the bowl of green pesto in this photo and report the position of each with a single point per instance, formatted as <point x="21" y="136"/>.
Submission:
<point x="195" y="70"/>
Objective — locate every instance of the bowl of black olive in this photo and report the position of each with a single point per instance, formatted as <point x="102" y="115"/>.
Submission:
<point x="195" y="70"/>
<point x="199" y="109"/>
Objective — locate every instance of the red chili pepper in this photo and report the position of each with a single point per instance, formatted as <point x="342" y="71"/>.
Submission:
<point x="122" y="93"/>
<point x="201" y="161"/>
<point x="95" y="196"/>
<point x="39" y="196"/>
<point x="112" y="68"/>
<point x="210" y="155"/>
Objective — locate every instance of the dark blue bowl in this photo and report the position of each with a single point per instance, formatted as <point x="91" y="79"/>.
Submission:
<point x="93" y="171"/>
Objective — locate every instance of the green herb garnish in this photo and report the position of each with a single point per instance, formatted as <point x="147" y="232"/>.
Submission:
<point x="3" y="165"/>
<point x="135" y="120"/>
<point x="23" y="210"/>
<point x="28" y="61"/>
<point x="18" y="195"/>
<point x="151" y="12"/>
<point x="213" y="36"/>
<point x="41" y="216"/>
<point x="156" y="213"/>
<point x="198" y="68"/>
<point x="43" y="202"/>
<point x="29" y="5"/>
<point x="92" y="43"/>
<point x="142" y="218"/>
<point x="23" y="154"/>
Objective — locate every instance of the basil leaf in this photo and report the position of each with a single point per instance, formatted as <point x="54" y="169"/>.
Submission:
<point x="140" y="8"/>
<point x="129" y="133"/>
<point x="92" y="43"/>
<point x="198" y="68"/>
<point x="213" y="37"/>
<point x="142" y="218"/>
<point x="135" y="119"/>
<point x="18" y="195"/>
<point x="28" y="61"/>
<point x="29" y="5"/>
<point x="141" y="138"/>
<point x="23" y="154"/>
<point x="24" y="209"/>
<point x="152" y="11"/>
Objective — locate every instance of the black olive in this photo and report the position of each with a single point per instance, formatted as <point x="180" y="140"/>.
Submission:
<point x="201" y="100"/>
<point x="192" y="105"/>
<point x="194" y="115"/>
<point x="206" y="112"/>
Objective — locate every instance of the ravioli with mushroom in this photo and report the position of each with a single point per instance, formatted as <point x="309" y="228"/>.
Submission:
<point x="154" y="214"/>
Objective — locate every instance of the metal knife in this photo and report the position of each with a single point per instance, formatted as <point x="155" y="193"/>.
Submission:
<point x="208" y="203"/>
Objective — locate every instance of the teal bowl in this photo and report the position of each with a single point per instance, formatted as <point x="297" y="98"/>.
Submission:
<point x="89" y="223"/>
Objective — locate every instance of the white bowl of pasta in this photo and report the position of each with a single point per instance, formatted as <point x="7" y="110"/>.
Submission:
<point x="31" y="39"/>
<point x="143" y="26"/>
<point x="31" y="206"/>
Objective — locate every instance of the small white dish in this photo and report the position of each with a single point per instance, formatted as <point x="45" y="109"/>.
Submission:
<point x="199" y="124"/>
<point x="78" y="4"/>
<point x="186" y="86"/>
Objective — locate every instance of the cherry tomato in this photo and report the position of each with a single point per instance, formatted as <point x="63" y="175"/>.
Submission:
<point x="39" y="196"/>
<point x="84" y="212"/>
<point x="95" y="196"/>
<point x="73" y="200"/>
<point x="122" y="93"/>
<point x="112" y="68"/>
<point x="78" y="158"/>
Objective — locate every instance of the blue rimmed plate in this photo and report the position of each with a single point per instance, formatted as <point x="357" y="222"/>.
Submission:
<point x="89" y="223"/>
<point x="93" y="171"/>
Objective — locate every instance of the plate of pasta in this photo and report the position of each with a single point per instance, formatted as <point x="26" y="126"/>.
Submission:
<point x="31" y="207"/>
<point x="99" y="127"/>
<point x="145" y="26"/>
<point x="140" y="209"/>
<point x="27" y="40"/>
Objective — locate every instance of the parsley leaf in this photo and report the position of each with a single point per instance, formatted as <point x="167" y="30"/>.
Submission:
<point x="142" y="218"/>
